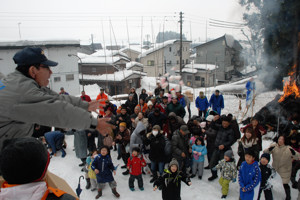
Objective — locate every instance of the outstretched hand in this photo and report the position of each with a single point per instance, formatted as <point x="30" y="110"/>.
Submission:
<point x="155" y="188"/>
<point x="103" y="127"/>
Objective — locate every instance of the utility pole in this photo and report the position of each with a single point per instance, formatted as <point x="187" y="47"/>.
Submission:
<point x="19" y="24"/>
<point x="92" y="38"/>
<point x="180" y="48"/>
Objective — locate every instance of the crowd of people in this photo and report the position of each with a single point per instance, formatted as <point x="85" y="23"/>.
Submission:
<point x="147" y="131"/>
<point x="150" y="131"/>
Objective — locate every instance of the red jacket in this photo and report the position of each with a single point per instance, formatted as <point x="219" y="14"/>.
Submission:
<point x="102" y="97"/>
<point x="135" y="165"/>
<point x="86" y="98"/>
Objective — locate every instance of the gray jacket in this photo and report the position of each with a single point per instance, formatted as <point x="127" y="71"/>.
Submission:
<point x="180" y="144"/>
<point x="23" y="103"/>
<point x="136" y="138"/>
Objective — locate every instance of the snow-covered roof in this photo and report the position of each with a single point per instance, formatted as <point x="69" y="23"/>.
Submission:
<point x="102" y="60"/>
<point x="107" y="53"/>
<point x="136" y="48"/>
<point x="201" y="66"/>
<point x="132" y="64"/>
<point x="82" y="55"/>
<point x="229" y="39"/>
<point x="158" y="46"/>
<point x="188" y="70"/>
<point x="24" y="43"/>
<point x="117" y="76"/>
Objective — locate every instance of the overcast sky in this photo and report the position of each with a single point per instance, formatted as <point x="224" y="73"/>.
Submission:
<point x="121" y="20"/>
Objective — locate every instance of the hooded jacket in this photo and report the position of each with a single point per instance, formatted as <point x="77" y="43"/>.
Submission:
<point x="23" y="103"/>
<point x="105" y="167"/>
<point x="135" y="165"/>
<point x="180" y="144"/>
<point x="136" y="137"/>
<point x="228" y="169"/>
<point x="202" y="103"/>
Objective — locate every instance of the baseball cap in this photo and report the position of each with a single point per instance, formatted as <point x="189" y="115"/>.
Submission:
<point x="32" y="55"/>
<point x="185" y="129"/>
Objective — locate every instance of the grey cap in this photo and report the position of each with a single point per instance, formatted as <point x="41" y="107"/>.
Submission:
<point x="156" y="127"/>
<point x="229" y="154"/>
<point x="174" y="162"/>
<point x="185" y="129"/>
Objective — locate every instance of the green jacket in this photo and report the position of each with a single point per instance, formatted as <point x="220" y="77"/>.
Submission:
<point x="24" y="103"/>
<point x="176" y="108"/>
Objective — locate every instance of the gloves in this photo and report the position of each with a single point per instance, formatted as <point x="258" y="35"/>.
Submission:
<point x="234" y="180"/>
<point x="293" y="152"/>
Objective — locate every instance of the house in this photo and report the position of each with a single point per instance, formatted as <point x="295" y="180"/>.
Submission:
<point x="223" y="52"/>
<point x="64" y="75"/>
<point x="116" y="83"/>
<point x="103" y="62"/>
<point x="90" y="48"/>
<point x="136" y="66"/>
<point x="132" y="51"/>
<point x="199" y="75"/>
<point x="164" y="57"/>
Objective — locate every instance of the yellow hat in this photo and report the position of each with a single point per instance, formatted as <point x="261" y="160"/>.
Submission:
<point x="123" y="124"/>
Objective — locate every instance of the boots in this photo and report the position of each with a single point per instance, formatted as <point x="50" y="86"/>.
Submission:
<point x="88" y="183"/>
<point x="99" y="194"/>
<point x="294" y="183"/>
<point x="114" y="191"/>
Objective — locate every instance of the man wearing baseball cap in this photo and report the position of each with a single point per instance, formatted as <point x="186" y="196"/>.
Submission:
<point x="25" y="100"/>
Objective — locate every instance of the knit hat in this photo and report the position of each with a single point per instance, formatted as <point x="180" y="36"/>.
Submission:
<point x="266" y="156"/>
<point x="23" y="160"/>
<point x="174" y="162"/>
<point x="150" y="103"/>
<point x="209" y="118"/>
<point x="123" y="124"/>
<point x="229" y="154"/>
<point x="156" y="127"/>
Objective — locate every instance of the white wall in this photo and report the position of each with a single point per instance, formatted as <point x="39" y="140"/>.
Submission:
<point x="66" y="65"/>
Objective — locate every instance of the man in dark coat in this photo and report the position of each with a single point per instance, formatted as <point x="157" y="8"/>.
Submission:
<point x="157" y="118"/>
<point x="181" y="148"/>
<point x="55" y="140"/>
<point x="130" y="104"/>
<point x="224" y="140"/>
<point x="174" y="122"/>
<point x="157" y="154"/>
<point x="123" y="117"/>
<point x="211" y="135"/>
<point x="175" y="107"/>
<point x="158" y="89"/>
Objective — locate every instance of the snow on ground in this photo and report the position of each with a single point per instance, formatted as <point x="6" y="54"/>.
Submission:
<point x="68" y="168"/>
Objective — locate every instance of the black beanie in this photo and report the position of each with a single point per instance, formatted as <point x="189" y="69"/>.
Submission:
<point x="23" y="160"/>
<point x="250" y="152"/>
<point x="266" y="156"/>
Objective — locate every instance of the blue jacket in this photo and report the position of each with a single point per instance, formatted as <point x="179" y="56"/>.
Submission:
<point x="249" y="178"/>
<point x="217" y="103"/>
<point x="55" y="140"/>
<point x="199" y="148"/>
<point x="202" y="103"/>
<point x="105" y="167"/>
<point x="250" y="86"/>
<point x="182" y="101"/>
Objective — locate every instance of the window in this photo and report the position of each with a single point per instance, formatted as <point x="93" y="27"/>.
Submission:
<point x="189" y="77"/>
<point x="150" y="62"/>
<point x="94" y="69"/>
<point x="56" y="79"/>
<point x="170" y="49"/>
<point x="197" y="78"/>
<point x="69" y="77"/>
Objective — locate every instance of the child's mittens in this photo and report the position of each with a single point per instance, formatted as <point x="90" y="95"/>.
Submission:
<point x="234" y="180"/>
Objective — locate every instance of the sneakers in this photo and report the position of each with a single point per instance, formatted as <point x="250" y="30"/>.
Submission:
<point x="193" y="175"/>
<point x="212" y="178"/>
<point x="200" y="177"/>
<point x="99" y="194"/>
<point x="142" y="188"/>
<point x="223" y="196"/>
<point x="126" y="172"/>
<point x="114" y="191"/>
<point x="132" y="189"/>
<point x="63" y="153"/>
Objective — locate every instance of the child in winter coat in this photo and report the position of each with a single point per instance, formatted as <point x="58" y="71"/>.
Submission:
<point x="103" y="168"/>
<point x="170" y="182"/>
<point x="91" y="178"/>
<point x="248" y="142"/>
<point x="228" y="172"/>
<point x="249" y="177"/>
<point x="199" y="151"/>
<point x="267" y="172"/>
<point x="135" y="165"/>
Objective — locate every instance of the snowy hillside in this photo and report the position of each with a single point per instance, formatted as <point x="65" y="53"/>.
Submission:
<point x="68" y="168"/>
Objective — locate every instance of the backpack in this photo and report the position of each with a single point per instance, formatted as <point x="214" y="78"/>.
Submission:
<point x="107" y="140"/>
